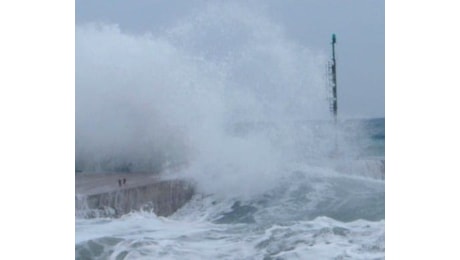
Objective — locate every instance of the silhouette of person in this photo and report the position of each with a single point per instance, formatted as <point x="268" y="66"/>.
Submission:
<point x="124" y="181"/>
<point x="119" y="182"/>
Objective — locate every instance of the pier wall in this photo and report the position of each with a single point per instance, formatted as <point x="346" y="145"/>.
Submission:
<point x="162" y="197"/>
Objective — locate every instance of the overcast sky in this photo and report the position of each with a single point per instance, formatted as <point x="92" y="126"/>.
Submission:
<point x="358" y="24"/>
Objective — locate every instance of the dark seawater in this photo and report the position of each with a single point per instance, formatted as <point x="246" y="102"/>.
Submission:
<point x="376" y="130"/>
<point x="370" y="138"/>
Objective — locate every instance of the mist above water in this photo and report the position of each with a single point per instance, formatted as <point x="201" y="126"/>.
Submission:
<point x="223" y="95"/>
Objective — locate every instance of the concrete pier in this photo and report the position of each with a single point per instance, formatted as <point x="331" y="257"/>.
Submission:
<point x="100" y="195"/>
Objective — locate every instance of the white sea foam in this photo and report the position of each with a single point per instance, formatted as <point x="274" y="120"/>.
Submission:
<point x="145" y="237"/>
<point x="308" y="215"/>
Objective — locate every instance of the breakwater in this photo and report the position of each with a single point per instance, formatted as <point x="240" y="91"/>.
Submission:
<point x="101" y="195"/>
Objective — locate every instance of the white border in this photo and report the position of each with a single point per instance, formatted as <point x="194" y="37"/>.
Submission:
<point x="37" y="140"/>
<point x="422" y="173"/>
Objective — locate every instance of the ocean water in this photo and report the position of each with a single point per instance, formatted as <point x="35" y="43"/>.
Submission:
<point x="226" y="99"/>
<point x="307" y="217"/>
<point x="311" y="213"/>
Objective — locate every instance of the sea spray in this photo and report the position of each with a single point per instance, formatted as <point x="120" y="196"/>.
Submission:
<point x="223" y="95"/>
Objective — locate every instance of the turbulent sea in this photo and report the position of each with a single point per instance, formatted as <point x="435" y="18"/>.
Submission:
<point x="312" y="212"/>
<point x="226" y="98"/>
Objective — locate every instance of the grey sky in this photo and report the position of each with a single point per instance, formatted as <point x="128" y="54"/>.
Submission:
<point x="359" y="25"/>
